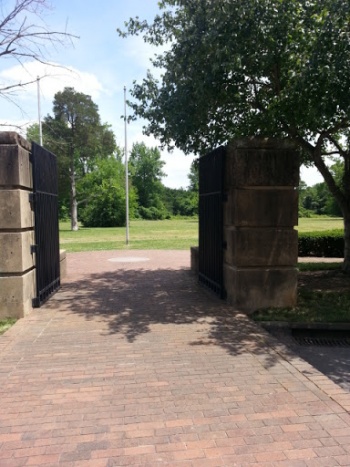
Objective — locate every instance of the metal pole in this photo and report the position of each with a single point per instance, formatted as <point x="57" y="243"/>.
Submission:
<point x="126" y="172"/>
<point x="39" y="114"/>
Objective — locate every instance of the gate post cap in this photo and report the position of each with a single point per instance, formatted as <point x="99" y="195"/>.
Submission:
<point x="11" y="137"/>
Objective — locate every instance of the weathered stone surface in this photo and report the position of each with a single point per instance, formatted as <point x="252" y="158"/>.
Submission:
<point x="261" y="162"/>
<point x="15" y="210"/>
<point x="63" y="264"/>
<point x="15" y="256"/>
<point x="194" y="259"/>
<point x="251" y="289"/>
<point x="265" y="207"/>
<point x="11" y="137"/>
<point x="261" y="247"/>
<point x="15" y="167"/>
<point x="260" y="212"/>
<point x="16" y="294"/>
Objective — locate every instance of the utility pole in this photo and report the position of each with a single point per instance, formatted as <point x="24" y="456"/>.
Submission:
<point x="126" y="171"/>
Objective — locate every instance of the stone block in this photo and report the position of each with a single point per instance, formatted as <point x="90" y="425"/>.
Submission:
<point x="11" y="137"/>
<point x="195" y="260"/>
<point x="15" y="167"/>
<point x="251" y="247"/>
<point x="15" y="255"/>
<point x="265" y="207"/>
<point x="261" y="162"/>
<point x="252" y="289"/>
<point x="16" y="294"/>
<point x="63" y="264"/>
<point x="15" y="210"/>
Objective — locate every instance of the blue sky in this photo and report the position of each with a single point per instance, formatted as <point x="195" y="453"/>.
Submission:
<point x="99" y="64"/>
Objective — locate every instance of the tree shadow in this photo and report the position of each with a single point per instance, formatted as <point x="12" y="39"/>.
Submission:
<point x="130" y="302"/>
<point x="333" y="362"/>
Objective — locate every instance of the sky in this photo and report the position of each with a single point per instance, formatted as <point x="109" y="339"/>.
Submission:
<point x="99" y="63"/>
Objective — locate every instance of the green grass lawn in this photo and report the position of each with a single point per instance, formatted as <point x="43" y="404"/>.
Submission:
<point x="177" y="234"/>
<point x="6" y="323"/>
<point x="312" y="307"/>
<point x="317" y="224"/>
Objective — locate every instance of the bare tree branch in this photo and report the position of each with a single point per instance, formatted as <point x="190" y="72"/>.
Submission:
<point x="24" y="37"/>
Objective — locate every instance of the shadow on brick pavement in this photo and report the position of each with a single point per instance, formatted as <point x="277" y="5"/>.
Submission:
<point x="135" y="364"/>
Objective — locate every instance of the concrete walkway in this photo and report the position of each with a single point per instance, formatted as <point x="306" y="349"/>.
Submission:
<point x="131" y="363"/>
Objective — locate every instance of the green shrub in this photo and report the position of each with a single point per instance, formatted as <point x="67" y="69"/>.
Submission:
<point x="328" y="244"/>
<point x="106" y="210"/>
<point x="152" y="213"/>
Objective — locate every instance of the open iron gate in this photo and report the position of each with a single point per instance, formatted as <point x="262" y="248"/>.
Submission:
<point x="211" y="188"/>
<point x="45" y="201"/>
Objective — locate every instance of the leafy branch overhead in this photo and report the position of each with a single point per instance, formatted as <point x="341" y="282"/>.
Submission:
<point x="258" y="67"/>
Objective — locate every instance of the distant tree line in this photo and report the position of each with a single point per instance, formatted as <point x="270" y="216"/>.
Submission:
<point x="317" y="199"/>
<point x="91" y="169"/>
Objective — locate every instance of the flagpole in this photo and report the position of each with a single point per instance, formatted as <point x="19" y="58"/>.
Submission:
<point x="39" y="113"/>
<point x="126" y="171"/>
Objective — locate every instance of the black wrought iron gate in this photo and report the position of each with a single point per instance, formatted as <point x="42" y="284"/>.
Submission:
<point x="45" y="200"/>
<point x="211" y="189"/>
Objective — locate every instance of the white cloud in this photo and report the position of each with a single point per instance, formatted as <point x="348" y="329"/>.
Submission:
<point x="53" y="78"/>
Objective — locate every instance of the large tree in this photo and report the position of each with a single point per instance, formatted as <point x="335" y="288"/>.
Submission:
<point x="102" y="192"/>
<point x="255" y="67"/>
<point x="25" y="36"/>
<point x="78" y="138"/>
<point x="146" y="171"/>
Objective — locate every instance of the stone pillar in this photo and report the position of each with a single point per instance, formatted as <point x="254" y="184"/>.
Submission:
<point x="261" y="210"/>
<point x="17" y="273"/>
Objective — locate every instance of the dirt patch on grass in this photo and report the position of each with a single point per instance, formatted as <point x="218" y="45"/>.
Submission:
<point x="324" y="281"/>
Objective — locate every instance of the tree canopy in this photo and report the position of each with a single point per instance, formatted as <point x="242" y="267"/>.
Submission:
<point x="258" y="67"/>
<point x="102" y="194"/>
<point x="76" y="135"/>
<point x="146" y="171"/>
<point x="238" y="68"/>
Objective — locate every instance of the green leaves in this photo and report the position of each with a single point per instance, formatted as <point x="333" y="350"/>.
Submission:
<point x="146" y="172"/>
<point x="102" y="195"/>
<point x="239" y="68"/>
<point x="78" y="138"/>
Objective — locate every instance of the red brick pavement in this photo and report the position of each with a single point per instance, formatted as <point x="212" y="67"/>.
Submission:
<point x="131" y="363"/>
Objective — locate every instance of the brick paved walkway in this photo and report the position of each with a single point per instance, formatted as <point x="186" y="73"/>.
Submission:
<point x="131" y="363"/>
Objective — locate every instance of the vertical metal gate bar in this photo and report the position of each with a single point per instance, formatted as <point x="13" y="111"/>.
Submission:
<point x="211" y="187"/>
<point x="45" y="188"/>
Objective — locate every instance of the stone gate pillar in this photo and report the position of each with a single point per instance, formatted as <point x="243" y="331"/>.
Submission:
<point x="260" y="212"/>
<point x="17" y="273"/>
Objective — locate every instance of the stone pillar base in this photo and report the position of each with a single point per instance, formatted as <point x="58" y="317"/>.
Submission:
<point x="194" y="260"/>
<point x="252" y="289"/>
<point x="63" y="264"/>
<point x="16" y="295"/>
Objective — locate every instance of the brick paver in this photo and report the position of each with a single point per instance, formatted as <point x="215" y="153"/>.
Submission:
<point x="132" y="363"/>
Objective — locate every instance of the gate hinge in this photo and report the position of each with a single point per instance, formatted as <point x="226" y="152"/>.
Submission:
<point x="33" y="249"/>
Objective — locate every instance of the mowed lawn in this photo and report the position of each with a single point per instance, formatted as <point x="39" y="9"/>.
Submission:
<point x="318" y="224"/>
<point x="177" y="234"/>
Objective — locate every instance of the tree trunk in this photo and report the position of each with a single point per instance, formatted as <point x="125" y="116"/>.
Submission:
<point x="73" y="205"/>
<point x="346" y="263"/>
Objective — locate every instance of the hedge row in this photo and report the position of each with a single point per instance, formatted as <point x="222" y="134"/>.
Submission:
<point x="329" y="244"/>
